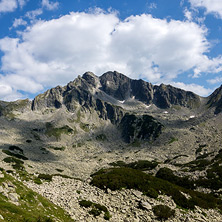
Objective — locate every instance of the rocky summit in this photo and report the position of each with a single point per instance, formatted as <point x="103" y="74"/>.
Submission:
<point x="111" y="148"/>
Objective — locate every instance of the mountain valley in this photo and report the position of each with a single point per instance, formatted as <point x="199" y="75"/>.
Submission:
<point x="113" y="148"/>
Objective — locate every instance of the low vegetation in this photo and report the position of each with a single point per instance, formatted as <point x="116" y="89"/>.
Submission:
<point x="57" y="132"/>
<point x="138" y="165"/>
<point x="62" y="148"/>
<point x="163" y="212"/>
<point x="118" y="178"/>
<point x="173" y="139"/>
<point x="16" y="163"/>
<point x="167" y="174"/>
<point x="101" y="137"/>
<point x="31" y="206"/>
<point x="46" y="177"/>
<point x="17" y="155"/>
<point x="95" y="209"/>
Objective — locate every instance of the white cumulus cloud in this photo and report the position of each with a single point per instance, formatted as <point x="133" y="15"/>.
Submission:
<point x="19" y="22"/>
<point x="8" y="5"/>
<point x="50" y="5"/>
<point x="198" y="89"/>
<point x="56" y="51"/>
<point x="215" y="80"/>
<point x="11" y="5"/>
<point x="211" y="6"/>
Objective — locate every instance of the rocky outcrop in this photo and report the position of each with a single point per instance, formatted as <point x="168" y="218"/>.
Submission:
<point x="215" y="100"/>
<point x="165" y="96"/>
<point x="108" y="111"/>
<point x="121" y="87"/>
<point x="51" y="98"/>
<point x="7" y="108"/>
<point x="143" y="127"/>
<point x="123" y="205"/>
<point x="117" y="86"/>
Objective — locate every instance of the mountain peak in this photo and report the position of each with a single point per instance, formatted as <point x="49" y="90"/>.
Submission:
<point x="215" y="100"/>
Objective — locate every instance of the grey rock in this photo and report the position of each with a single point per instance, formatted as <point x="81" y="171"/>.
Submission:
<point x="2" y="175"/>
<point x="215" y="100"/>
<point x="145" y="205"/>
<point x="143" y="127"/>
<point x="14" y="197"/>
<point x="1" y="189"/>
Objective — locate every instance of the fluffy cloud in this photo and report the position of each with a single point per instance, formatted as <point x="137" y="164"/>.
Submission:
<point x="18" y="22"/>
<point x="22" y="2"/>
<point x="211" y="6"/>
<point x="11" y="5"/>
<point x="56" y="51"/>
<point x="199" y="90"/>
<point x="50" y="5"/>
<point x="7" y="93"/>
<point x="34" y="13"/>
<point x="8" y="5"/>
<point x="215" y="80"/>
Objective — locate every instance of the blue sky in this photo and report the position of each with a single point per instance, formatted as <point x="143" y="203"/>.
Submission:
<point x="44" y="43"/>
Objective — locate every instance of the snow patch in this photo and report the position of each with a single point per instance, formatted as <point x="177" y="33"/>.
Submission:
<point x="121" y="101"/>
<point x="191" y="117"/>
<point x="165" y="112"/>
<point x="147" y="106"/>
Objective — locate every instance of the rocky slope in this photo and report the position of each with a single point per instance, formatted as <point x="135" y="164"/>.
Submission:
<point x="58" y="141"/>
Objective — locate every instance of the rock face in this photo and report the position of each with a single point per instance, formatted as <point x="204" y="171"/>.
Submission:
<point x="116" y="85"/>
<point x="85" y="91"/>
<point x="215" y="100"/>
<point x="164" y="96"/>
<point x="18" y="106"/>
<point x="140" y="128"/>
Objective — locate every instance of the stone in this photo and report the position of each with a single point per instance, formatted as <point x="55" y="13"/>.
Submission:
<point x="14" y="197"/>
<point x="145" y="205"/>
<point x="1" y="189"/>
<point x="137" y="193"/>
<point x="2" y="175"/>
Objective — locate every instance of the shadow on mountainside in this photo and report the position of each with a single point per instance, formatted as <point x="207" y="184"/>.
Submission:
<point x="26" y="138"/>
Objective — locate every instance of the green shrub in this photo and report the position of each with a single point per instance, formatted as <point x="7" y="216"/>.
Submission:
<point x="173" y="139"/>
<point x="19" y="156"/>
<point x="107" y="215"/>
<point x="163" y="212"/>
<point x="85" y="203"/>
<point x="138" y="165"/>
<point x="118" y="178"/>
<point x="167" y="174"/>
<point x="199" y="164"/>
<point x="95" y="212"/>
<point x="37" y="180"/>
<point x="12" y="160"/>
<point x="16" y="148"/>
<point x="59" y="148"/>
<point x="59" y="170"/>
<point x="57" y="132"/>
<point x="101" y="137"/>
<point x="96" y="209"/>
<point x="100" y="207"/>
<point x="46" y="177"/>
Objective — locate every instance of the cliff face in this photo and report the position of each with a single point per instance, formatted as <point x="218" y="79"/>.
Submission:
<point x="215" y="100"/>
<point x="105" y="95"/>
<point x="164" y="96"/>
